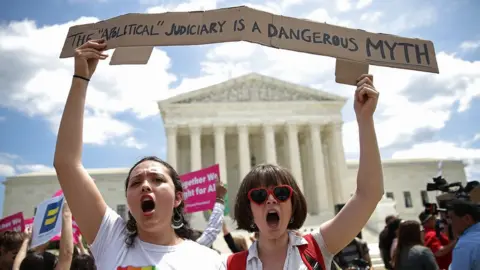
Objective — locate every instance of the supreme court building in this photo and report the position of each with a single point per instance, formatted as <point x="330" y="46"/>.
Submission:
<point x="255" y="119"/>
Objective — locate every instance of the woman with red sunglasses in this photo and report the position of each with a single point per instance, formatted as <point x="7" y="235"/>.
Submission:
<point x="269" y="202"/>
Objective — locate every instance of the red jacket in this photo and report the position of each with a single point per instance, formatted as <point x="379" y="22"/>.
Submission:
<point x="434" y="243"/>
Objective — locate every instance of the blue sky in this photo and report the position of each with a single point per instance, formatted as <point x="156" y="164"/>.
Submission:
<point x="419" y="115"/>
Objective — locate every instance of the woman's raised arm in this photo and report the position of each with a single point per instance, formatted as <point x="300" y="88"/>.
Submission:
<point x="84" y="199"/>
<point x="339" y="231"/>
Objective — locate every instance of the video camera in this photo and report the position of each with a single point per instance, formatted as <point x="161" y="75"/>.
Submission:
<point x="451" y="193"/>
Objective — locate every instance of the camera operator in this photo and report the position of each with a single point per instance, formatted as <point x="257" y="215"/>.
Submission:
<point x="436" y="241"/>
<point x="464" y="216"/>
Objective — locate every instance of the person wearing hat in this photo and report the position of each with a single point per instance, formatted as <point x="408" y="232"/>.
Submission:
<point x="438" y="243"/>
<point x="464" y="216"/>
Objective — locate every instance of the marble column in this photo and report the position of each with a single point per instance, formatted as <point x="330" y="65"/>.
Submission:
<point x="220" y="154"/>
<point x="338" y="166"/>
<point x="270" y="150"/>
<point x="318" y="165"/>
<point x="195" y="148"/>
<point x="294" y="154"/>
<point x="172" y="146"/>
<point x="243" y="150"/>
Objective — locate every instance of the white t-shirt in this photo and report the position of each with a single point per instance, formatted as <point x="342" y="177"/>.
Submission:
<point x="111" y="253"/>
<point x="294" y="260"/>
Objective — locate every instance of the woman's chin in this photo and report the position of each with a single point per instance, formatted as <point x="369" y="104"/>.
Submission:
<point x="274" y="232"/>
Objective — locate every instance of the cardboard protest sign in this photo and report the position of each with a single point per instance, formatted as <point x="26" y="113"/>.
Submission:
<point x="199" y="190"/>
<point x="134" y="31"/>
<point x="13" y="222"/>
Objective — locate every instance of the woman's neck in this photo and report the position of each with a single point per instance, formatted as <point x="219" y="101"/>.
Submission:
<point x="272" y="247"/>
<point x="165" y="238"/>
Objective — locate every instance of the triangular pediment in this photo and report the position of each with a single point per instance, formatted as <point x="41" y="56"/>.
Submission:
<point x="253" y="87"/>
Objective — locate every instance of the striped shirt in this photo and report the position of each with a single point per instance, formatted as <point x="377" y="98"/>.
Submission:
<point x="214" y="226"/>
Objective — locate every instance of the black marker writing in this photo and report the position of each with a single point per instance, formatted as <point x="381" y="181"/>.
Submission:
<point x="310" y="36"/>
<point x="382" y="45"/>
<point x="194" y="29"/>
<point x="239" y="25"/>
<point x="79" y="39"/>
<point x="127" y="30"/>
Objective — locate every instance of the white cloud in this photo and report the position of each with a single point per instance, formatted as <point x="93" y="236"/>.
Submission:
<point x="191" y="5"/>
<point x="34" y="168"/>
<point x="371" y="17"/>
<point x="363" y="4"/>
<point x="6" y="170"/>
<point x="470" y="45"/>
<point x="11" y="164"/>
<point x="343" y="5"/>
<point x="36" y="82"/>
<point x="445" y="150"/>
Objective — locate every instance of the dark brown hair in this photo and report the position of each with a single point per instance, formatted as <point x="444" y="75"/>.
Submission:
<point x="409" y="235"/>
<point x="266" y="175"/>
<point x="10" y="240"/>
<point x="178" y="213"/>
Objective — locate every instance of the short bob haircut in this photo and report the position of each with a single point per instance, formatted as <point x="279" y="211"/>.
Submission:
<point x="267" y="175"/>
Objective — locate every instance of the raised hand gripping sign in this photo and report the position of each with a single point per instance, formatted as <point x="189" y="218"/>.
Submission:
<point x="136" y="34"/>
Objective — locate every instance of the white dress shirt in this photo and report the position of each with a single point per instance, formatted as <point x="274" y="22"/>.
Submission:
<point x="214" y="226"/>
<point x="294" y="260"/>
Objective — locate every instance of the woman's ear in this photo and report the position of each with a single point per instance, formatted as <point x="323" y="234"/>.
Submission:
<point x="178" y="198"/>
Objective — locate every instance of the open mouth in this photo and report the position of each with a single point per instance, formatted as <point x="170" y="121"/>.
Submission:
<point x="148" y="205"/>
<point x="273" y="219"/>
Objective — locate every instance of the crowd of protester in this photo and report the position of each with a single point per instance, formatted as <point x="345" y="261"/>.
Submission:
<point x="445" y="241"/>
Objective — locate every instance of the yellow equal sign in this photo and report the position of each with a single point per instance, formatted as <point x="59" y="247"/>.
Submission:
<point x="51" y="213"/>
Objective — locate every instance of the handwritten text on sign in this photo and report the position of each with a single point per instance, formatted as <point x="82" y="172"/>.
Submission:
<point x="243" y="23"/>
<point x="13" y="222"/>
<point x="199" y="190"/>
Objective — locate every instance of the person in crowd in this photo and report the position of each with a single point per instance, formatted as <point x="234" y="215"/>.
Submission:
<point x="156" y="233"/>
<point x="385" y="242"/>
<point x="437" y="242"/>
<point x="214" y="226"/>
<point x="43" y="259"/>
<point x="10" y="244"/>
<point x="270" y="202"/>
<point x="356" y="250"/>
<point x="82" y="250"/>
<point x="82" y="260"/>
<point x="465" y="219"/>
<point x="234" y="243"/>
<point x="39" y="261"/>
<point x="393" y="235"/>
<point x="410" y="253"/>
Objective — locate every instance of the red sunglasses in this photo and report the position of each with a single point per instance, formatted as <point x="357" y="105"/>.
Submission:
<point x="281" y="193"/>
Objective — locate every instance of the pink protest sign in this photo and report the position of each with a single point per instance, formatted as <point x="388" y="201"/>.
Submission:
<point x="75" y="232"/>
<point x="199" y="191"/>
<point x="75" y="229"/>
<point x="13" y="222"/>
<point x="29" y="222"/>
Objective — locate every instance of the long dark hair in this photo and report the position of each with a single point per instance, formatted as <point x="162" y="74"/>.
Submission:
<point x="178" y="212"/>
<point x="409" y="235"/>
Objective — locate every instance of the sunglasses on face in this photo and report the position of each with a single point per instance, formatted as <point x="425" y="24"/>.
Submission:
<point x="260" y="195"/>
